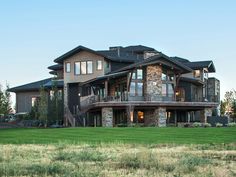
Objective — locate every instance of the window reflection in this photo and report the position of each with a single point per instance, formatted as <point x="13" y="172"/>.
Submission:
<point x="132" y="89"/>
<point x="140" y="89"/>
<point x="139" y="74"/>
<point x="99" y="65"/>
<point x="68" y="67"/>
<point x="134" y="75"/>
<point x="163" y="89"/>
<point x="170" y="90"/>
<point x="163" y="76"/>
<point x="89" y="67"/>
<point x="83" y="67"/>
<point x="77" y="68"/>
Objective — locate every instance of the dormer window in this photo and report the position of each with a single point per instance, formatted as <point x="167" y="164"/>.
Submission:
<point x="68" y="67"/>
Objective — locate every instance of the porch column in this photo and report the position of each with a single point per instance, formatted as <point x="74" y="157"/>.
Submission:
<point x="156" y="117"/>
<point x="204" y="114"/>
<point x="161" y="116"/>
<point x="107" y="117"/>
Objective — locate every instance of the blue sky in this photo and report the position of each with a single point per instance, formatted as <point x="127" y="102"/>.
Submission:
<point x="34" y="33"/>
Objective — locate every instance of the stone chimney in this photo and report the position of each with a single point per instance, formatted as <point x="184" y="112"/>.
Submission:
<point x="117" y="48"/>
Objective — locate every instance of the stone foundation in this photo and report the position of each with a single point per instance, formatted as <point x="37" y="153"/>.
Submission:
<point x="107" y="117"/>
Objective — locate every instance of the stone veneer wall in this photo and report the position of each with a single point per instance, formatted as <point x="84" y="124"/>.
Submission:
<point x="161" y="112"/>
<point x="153" y="86"/>
<point x="107" y="117"/>
<point x="155" y="117"/>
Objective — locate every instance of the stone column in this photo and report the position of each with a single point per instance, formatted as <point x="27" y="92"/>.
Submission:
<point x="204" y="114"/>
<point x="156" y="117"/>
<point x="161" y="114"/>
<point x="107" y="117"/>
<point x="153" y="86"/>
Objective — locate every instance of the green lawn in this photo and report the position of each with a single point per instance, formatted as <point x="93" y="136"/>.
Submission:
<point x="120" y="135"/>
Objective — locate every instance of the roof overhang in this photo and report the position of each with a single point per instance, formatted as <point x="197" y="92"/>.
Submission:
<point x="192" y="80"/>
<point x="105" y="77"/>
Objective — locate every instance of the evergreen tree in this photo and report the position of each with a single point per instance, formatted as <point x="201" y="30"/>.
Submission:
<point x="5" y="100"/>
<point x="43" y="106"/>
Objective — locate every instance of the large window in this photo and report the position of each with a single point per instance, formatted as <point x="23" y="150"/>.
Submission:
<point x="136" y="85"/>
<point x="89" y="67"/>
<point x="167" y="78"/>
<point x="83" y="67"/>
<point x="99" y="65"/>
<point x="77" y="68"/>
<point x="68" y="67"/>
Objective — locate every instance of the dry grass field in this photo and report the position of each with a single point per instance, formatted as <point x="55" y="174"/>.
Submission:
<point x="117" y="159"/>
<point x="111" y="152"/>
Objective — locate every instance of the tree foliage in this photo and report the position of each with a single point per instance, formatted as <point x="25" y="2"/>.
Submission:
<point x="5" y="100"/>
<point x="43" y="106"/>
<point x="228" y="105"/>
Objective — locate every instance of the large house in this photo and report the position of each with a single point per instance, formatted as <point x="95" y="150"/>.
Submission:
<point x="125" y="85"/>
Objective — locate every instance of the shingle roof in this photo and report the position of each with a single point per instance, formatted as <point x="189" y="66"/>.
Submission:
<point x="122" y="56"/>
<point x="138" y="48"/>
<point x="30" y="86"/>
<point x="179" y="59"/>
<point x="197" y="64"/>
<point x="111" y="55"/>
<point x="51" y="83"/>
<point x="202" y="64"/>
<point x="155" y="59"/>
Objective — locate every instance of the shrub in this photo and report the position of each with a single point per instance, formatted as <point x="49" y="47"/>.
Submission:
<point x="144" y="160"/>
<point x="84" y="155"/>
<point x="121" y="125"/>
<point x="190" y="162"/>
<point x="187" y="125"/>
<point x="219" y="125"/>
<point x="232" y="124"/>
<point x="129" y="161"/>
<point x="197" y="124"/>
<point x="206" y="125"/>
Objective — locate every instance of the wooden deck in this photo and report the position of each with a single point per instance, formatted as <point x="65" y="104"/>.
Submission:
<point x="153" y="104"/>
